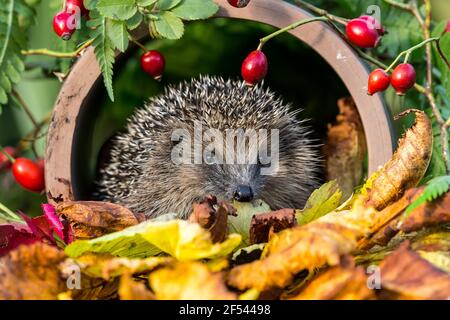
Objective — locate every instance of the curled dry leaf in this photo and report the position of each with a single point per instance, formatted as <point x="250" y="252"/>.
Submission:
<point x="346" y="147"/>
<point x="409" y="276"/>
<point x="407" y="166"/>
<point x="189" y="281"/>
<point x="428" y="215"/>
<point x="91" y="219"/>
<point x="31" y="272"/>
<point x="264" y="225"/>
<point x="299" y="248"/>
<point x="321" y="242"/>
<point x="343" y="282"/>
<point x="213" y="216"/>
<point x="106" y="266"/>
<point x="132" y="289"/>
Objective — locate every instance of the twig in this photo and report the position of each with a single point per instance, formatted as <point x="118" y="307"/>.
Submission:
<point x="57" y="54"/>
<point x="27" y="110"/>
<point x="321" y="12"/>
<point x="297" y="24"/>
<point x="140" y="45"/>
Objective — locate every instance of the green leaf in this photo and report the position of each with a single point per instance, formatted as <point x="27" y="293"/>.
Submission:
<point x="134" y="21"/>
<point x="320" y="202"/>
<point x="195" y="9"/>
<point x="145" y="3"/>
<point x="117" y="9"/>
<point x="117" y="33"/>
<point x="164" y="5"/>
<point x="435" y="188"/>
<point x="16" y="16"/>
<point x="245" y="211"/>
<point x="168" y="26"/>
<point x="178" y="238"/>
<point x="103" y="49"/>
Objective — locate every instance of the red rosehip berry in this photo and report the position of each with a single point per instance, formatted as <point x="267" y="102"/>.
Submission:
<point x="447" y="28"/>
<point x="374" y="24"/>
<point x="254" y="67"/>
<point x="72" y="6"/>
<point x="239" y="3"/>
<point x="153" y="63"/>
<point x="403" y="78"/>
<point x="29" y="174"/>
<point x="379" y="81"/>
<point x="4" y="161"/>
<point x="61" y="25"/>
<point x="361" y="33"/>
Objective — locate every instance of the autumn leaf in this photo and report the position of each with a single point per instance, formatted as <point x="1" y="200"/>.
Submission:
<point x="320" y="202"/>
<point x="106" y="266"/>
<point x="31" y="272"/>
<point x="343" y="282"/>
<point x="178" y="238"/>
<point x="345" y="148"/>
<point x="409" y="276"/>
<point x="266" y="224"/>
<point x="91" y="219"/>
<point x="213" y="216"/>
<point x="407" y="166"/>
<point x="132" y="289"/>
<point x="189" y="281"/>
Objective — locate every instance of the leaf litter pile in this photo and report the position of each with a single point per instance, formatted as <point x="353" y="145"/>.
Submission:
<point x="387" y="239"/>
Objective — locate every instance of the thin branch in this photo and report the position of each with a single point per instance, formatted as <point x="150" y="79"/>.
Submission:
<point x="57" y="54"/>
<point x="321" y="12"/>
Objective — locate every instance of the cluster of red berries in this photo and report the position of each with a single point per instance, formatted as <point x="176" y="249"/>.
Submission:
<point x="364" y="32"/>
<point x="403" y="78"/>
<point x="65" y="22"/>
<point x="27" y="173"/>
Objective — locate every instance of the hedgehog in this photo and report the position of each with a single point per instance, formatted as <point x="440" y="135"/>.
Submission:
<point x="141" y="173"/>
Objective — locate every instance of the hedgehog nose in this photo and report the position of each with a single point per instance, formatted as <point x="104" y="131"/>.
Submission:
<point x="243" y="193"/>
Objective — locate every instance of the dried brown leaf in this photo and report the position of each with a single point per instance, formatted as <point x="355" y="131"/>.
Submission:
<point x="213" y="216"/>
<point x="31" y="272"/>
<point x="189" y="281"/>
<point x="428" y="215"/>
<point x="132" y="289"/>
<point x="409" y="276"/>
<point x="264" y="225"/>
<point x="346" y="148"/>
<point x="407" y="166"/>
<point x="343" y="282"/>
<point x="91" y="219"/>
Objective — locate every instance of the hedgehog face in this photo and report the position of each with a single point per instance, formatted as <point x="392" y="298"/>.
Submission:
<point x="163" y="163"/>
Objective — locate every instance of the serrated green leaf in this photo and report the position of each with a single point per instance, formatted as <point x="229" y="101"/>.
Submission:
<point x="320" y="202"/>
<point x="169" y="26"/>
<point x="103" y="49"/>
<point x="117" y="9"/>
<point x="195" y="9"/>
<point x="178" y="238"/>
<point x="15" y="18"/>
<point x="164" y="5"/>
<point x="117" y="33"/>
<point x="134" y="21"/>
